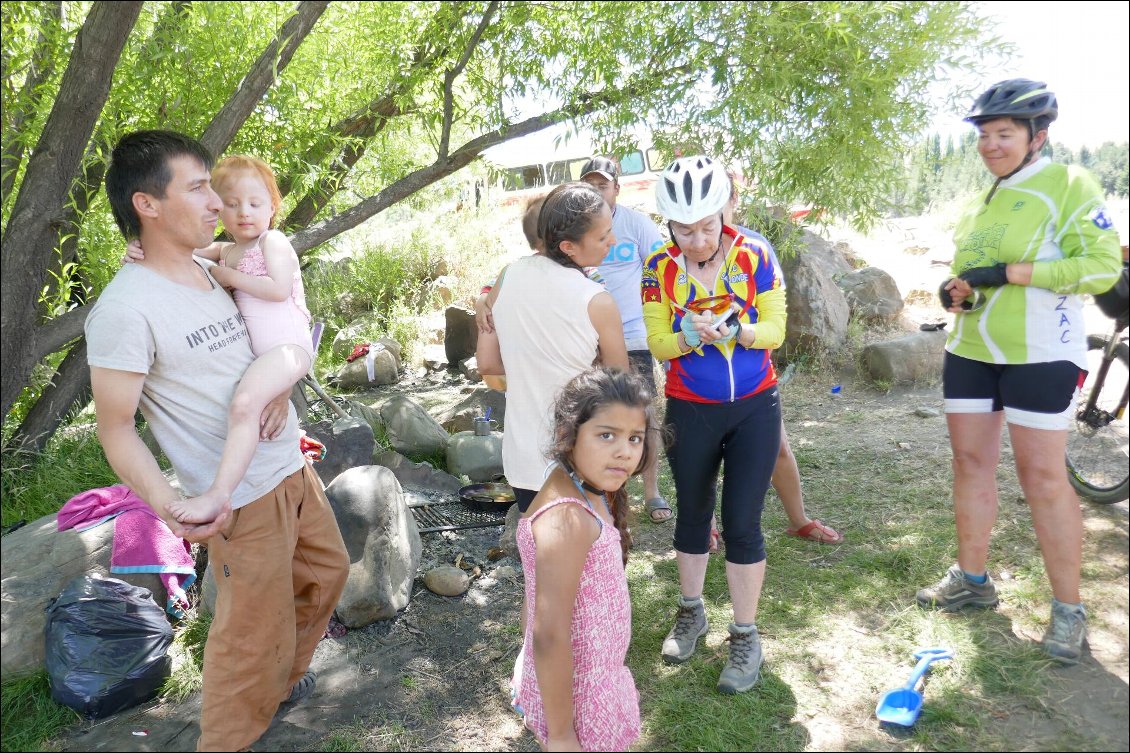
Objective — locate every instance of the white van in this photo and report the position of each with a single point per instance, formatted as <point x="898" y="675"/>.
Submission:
<point x="521" y="175"/>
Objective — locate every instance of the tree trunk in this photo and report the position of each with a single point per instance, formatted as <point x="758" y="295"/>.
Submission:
<point x="70" y="385"/>
<point x="30" y="235"/>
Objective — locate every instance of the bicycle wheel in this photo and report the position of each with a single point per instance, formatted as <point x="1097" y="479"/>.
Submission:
<point x="1098" y="459"/>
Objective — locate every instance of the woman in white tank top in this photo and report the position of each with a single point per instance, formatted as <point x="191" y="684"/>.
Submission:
<point x="552" y="322"/>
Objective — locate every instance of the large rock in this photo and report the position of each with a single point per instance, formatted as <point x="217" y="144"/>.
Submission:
<point x="913" y="358"/>
<point x="421" y="476"/>
<point x="355" y="374"/>
<point x="477" y="458"/>
<point x="411" y="429"/>
<point x="872" y="295"/>
<point x="382" y="540"/>
<point x="460" y="416"/>
<point x="817" y="309"/>
<point x="461" y="335"/>
<point x="349" y="443"/>
<point x="38" y="562"/>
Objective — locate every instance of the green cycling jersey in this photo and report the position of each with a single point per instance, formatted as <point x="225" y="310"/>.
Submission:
<point x="1052" y="216"/>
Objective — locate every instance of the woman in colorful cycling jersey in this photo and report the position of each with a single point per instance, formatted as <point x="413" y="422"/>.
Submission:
<point x="722" y="402"/>
<point x="1026" y="249"/>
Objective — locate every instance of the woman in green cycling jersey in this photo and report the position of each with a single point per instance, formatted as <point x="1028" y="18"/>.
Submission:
<point x="1026" y="249"/>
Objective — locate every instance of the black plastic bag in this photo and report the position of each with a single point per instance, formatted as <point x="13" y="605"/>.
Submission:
<point x="107" y="646"/>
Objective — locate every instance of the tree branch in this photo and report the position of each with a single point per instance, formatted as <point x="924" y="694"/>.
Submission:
<point x="453" y="73"/>
<point x="442" y="167"/>
<point x="69" y="385"/>
<point x="258" y="80"/>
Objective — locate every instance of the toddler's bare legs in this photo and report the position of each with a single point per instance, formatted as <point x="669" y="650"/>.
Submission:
<point x="270" y="375"/>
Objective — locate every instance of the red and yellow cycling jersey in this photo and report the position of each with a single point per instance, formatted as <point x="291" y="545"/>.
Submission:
<point x="715" y="373"/>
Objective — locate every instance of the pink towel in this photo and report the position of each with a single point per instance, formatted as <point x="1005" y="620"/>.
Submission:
<point x="142" y="541"/>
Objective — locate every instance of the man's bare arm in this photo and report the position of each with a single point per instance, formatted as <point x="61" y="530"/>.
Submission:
<point x="116" y="397"/>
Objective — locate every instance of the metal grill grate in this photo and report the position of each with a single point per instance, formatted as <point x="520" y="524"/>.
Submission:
<point x="452" y="516"/>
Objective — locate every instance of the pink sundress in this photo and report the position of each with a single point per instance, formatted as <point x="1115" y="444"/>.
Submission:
<point x="606" y="705"/>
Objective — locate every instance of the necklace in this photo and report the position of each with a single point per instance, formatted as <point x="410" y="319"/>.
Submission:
<point x="702" y="264"/>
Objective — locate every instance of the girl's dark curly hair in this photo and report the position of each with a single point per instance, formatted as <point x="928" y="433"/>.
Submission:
<point x="567" y="214"/>
<point x="584" y="395"/>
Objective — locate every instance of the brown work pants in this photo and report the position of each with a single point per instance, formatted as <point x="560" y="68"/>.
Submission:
<point x="280" y="567"/>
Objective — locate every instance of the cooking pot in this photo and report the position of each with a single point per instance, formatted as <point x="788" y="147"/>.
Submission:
<point x="493" y="496"/>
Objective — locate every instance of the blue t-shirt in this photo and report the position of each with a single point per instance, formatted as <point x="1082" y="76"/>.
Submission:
<point x="636" y="239"/>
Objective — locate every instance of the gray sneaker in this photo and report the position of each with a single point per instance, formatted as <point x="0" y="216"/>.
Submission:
<point x="690" y="625"/>
<point x="1066" y="633"/>
<point x="956" y="591"/>
<point x="743" y="668"/>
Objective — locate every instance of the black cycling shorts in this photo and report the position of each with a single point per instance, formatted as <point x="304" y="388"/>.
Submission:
<point x="1035" y="395"/>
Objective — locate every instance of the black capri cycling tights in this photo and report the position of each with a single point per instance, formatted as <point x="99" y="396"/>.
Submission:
<point x="746" y="435"/>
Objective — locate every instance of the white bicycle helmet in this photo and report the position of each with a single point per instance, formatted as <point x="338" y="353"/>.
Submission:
<point x="691" y="188"/>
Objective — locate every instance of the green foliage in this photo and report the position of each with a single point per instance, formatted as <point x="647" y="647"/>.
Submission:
<point x="32" y="486"/>
<point x="932" y="178"/>
<point x="188" y="671"/>
<point x="28" y="715"/>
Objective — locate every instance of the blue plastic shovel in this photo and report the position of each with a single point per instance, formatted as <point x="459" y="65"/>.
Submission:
<point x="903" y="705"/>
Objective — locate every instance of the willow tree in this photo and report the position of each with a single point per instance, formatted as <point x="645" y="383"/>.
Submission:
<point x="359" y="105"/>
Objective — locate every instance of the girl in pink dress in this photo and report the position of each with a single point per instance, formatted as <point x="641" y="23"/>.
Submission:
<point x="571" y="683"/>
<point x="261" y="268"/>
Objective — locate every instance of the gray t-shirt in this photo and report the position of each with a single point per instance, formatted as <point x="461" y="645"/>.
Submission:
<point x="636" y="239"/>
<point x="193" y="348"/>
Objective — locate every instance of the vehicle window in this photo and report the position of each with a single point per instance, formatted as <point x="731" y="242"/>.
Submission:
<point x="632" y="163"/>
<point x="565" y="170"/>
<point x="656" y="160"/>
<point x="517" y="178"/>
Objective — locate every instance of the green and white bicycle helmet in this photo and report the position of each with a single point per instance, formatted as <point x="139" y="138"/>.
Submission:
<point x="691" y="188"/>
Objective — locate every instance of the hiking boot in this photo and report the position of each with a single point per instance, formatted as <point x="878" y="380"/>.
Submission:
<point x="956" y="591"/>
<point x="690" y="625"/>
<point x="743" y="668"/>
<point x="1066" y="633"/>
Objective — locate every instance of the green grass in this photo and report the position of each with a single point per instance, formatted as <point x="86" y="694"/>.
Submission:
<point x="28" y="716"/>
<point x="188" y="666"/>
<point x="839" y="624"/>
<point x="32" y="486"/>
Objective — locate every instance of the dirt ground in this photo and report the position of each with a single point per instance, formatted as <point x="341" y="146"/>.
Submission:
<point x="435" y="678"/>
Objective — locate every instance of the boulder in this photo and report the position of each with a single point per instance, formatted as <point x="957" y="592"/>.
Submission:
<point x="384" y="355"/>
<point x="459" y="417"/>
<point x="817" y="309"/>
<point x="477" y="458"/>
<point x="422" y="476"/>
<point x="39" y="560"/>
<point x="411" y="430"/>
<point x="447" y="581"/>
<point x="469" y="367"/>
<point x="349" y="442"/>
<point x="461" y="335"/>
<point x="914" y="358"/>
<point x="872" y="295"/>
<point x="382" y="540"/>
